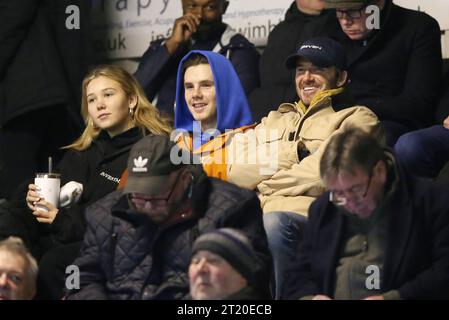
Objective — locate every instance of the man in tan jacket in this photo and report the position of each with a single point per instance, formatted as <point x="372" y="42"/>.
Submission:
<point x="280" y="157"/>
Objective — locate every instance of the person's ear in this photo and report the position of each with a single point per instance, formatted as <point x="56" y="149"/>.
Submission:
<point x="30" y="294"/>
<point x="186" y="177"/>
<point x="132" y="101"/>
<point x="381" y="171"/>
<point x="342" y="78"/>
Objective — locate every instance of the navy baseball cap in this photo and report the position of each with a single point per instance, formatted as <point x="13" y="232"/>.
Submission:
<point x="322" y="52"/>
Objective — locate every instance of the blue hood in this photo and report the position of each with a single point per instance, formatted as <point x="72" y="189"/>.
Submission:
<point x="232" y="106"/>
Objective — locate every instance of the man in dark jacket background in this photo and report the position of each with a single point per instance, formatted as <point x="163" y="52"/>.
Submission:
<point x="394" y="67"/>
<point x="425" y="152"/>
<point x="42" y="63"/>
<point x="139" y="240"/>
<point x="200" y="28"/>
<point x="378" y="233"/>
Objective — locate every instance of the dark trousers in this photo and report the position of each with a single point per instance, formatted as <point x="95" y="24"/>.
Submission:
<point x="424" y="152"/>
<point x="27" y="141"/>
<point x="393" y="130"/>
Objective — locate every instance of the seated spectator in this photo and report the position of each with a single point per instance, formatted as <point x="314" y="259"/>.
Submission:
<point x="425" y="152"/>
<point x="294" y="137"/>
<point x="117" y="115"/>
<point x="223" y="266"/>
<point x="200" y="28"/>
<point x="395" y="66"/>
<point x="276" y="85"/>
<point x="139" y="239"/>
<point x="378" y="233"/>
<point x="18" y="271"/>
<point x="210" y="102"/>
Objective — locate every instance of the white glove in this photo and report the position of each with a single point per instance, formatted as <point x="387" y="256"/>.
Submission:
<point x="70" y="194"/>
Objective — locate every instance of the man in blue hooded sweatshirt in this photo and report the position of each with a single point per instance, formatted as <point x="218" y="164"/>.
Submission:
<point x="200" y="27"/>
<point x="210" y="104"/>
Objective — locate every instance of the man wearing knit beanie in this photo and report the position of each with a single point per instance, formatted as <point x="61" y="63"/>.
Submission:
<point x="223" y="266"/>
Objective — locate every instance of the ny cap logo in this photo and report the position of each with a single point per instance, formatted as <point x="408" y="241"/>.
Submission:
<point x="139" y="165"/>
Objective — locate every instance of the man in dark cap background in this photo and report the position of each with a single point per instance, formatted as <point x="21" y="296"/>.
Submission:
<point x="139" y="241"/>
<point x="276" y="85"/>
<point x="295" y="136"/>
<point x="223" y="266"/>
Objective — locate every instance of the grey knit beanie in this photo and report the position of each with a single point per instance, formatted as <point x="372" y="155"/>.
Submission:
<point x="233" y="246"/>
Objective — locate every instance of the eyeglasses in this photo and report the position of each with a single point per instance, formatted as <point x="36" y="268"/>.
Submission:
<point x="356" y="193"/>
<point x="158" y="201"/>
<point x="351" y="14"/>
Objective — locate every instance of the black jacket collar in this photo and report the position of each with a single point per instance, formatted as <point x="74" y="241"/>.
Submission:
<point x="342" y="100"/>
<point x="117" y="145"/>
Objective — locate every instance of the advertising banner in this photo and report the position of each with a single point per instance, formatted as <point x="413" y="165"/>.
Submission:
<point x="123" y="29"/>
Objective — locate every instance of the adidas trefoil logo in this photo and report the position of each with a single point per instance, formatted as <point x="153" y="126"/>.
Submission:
<point x="139" y="165"/>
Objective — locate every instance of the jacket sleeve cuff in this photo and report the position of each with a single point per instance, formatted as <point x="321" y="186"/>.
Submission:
<point x="392" y="295"/>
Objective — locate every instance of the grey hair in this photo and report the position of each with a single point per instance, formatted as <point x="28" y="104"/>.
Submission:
<point x="16" y="246"/>
<point x="349" y="149"/>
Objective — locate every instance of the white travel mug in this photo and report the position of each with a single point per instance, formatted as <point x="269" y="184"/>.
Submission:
<point x="49" y="185"/>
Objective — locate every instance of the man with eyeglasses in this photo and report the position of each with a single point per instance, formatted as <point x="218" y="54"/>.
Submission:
<point x="394" y="61"/>
<point x="139" y="239"/>
<point x="378" y="233"/>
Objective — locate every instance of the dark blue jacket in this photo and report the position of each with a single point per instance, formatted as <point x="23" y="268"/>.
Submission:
<point x="417" y="248"/>
<point x="125" y="256"/>
<point x="157" y="69"/>
<point x="232" y="106"/>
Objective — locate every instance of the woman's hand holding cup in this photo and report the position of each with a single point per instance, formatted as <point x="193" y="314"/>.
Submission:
<point x="45" y="212"/>
<point x="46" y="215"/>
<point x="32" y="196"/>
